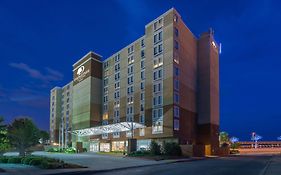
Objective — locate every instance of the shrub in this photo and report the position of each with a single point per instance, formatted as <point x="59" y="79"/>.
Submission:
<point x="172" y="149"/>
<point x="84" y="149"/>
<point x="3" y="159"/>
<point x="14" y="160"/>
<point x="70" y="150"/>
<point x="155" y="148"/>
<point x="36" y="161"/>
<point x="26" y="160"/>
<point x="45" y="164"/>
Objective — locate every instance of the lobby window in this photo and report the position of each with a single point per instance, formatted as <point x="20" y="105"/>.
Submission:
<point x="176" y="98"/>
<point x="176" y="124"/>
<point x="176" y="32"/>
<point x="130" y="69"/>
<point x="176" y="112"/>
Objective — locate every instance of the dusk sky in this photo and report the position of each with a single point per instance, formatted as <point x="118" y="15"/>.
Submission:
<point x="40" y="40"/>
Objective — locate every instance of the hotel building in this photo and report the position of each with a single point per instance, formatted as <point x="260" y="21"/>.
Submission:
<point x="164" y="86"/>
<point x="60" y="115"/>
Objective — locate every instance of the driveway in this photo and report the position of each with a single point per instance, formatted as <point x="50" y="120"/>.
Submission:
<point x="99" y="162"/>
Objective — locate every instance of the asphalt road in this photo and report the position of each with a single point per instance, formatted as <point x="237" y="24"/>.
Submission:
<point x="242" y="165"/>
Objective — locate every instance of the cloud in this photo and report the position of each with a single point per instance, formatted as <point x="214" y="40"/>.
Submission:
<point x="50" y="75"/>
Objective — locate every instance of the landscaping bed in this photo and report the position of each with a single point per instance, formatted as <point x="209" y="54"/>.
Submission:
<point x="38" y="161"/>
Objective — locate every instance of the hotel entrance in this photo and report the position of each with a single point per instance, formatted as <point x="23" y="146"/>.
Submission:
<point x="94" y="146"/>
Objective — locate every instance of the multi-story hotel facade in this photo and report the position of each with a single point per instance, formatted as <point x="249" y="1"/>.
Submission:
<point x="61" y="115"/>
<point x="167" y="81"/>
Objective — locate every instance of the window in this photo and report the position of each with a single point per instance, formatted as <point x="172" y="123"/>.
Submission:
<point x="176" y="124"/>
<point x="157" y="62"/>
<point x="157" y="118"/>
<point x="176" y="45"/>
<point x="142" y="54"/>
<point x="176" y="112"/>
<point x="105" y="65"/>
<point x="142" y="64"/>
<point x="142" y="85"/>
<point x="131" y="79"/>
<point x="175" y="18"/>
<point x="142" y="43"/>
<point x="117" y="94"/>
<point x="157" y="87"/>
<point x="117" y="67"/>
<point x="116" y="104"/>
<point x="176" y="98"/>
<point x="105" y="82"/>
<point x="142" y="75"/>
<point x="158" y="24"/>
<point x="157" y="74"/>
<point x="130" y="110"/>
<point x="176" y="84"/>
<point x="130" y="69"/>
<point x="142" y="96"/>
<point x="176" y="32"/>
<point x="131" y="49"/>
<point x="157" y="100"/>
<point x="130" y="90"/>
<point x="158" y="37"/>
<point x="116" y="114"/>
<point x="130" y="100"/>
<point x="142" y="107"/>
<point x="105" y="99"/>
<point x="105" y="107"/>
<point x="117" y="85"/>
<point x="142" y="118"/>
<point x="130" y="59"/>
<point x="177" y="71"/>
<point x="117" y="58"/>
<point x="117" y="76"/>
<point x="158" y="49"/>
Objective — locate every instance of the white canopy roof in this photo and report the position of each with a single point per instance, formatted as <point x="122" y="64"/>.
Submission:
<point x="116" y="127"/>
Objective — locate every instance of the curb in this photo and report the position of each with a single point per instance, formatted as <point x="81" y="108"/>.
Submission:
<point x="125" y="168"/>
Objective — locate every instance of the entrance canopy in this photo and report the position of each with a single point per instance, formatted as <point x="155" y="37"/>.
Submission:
<point x="116" y="127"/>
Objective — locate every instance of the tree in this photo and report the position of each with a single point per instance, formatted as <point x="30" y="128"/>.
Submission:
<point x="23" y="134"/>
<point x="44" y="136"/>
<point x="4" y="142"/>
<point x="224" y="139"/>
